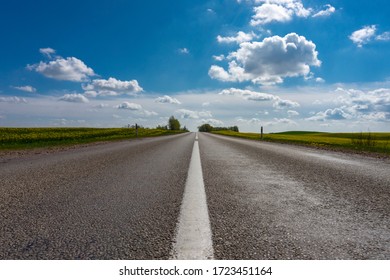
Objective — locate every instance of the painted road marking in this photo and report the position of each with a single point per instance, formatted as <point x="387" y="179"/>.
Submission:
<point x="193" y="233"/>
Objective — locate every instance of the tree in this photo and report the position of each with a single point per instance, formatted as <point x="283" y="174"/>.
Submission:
<point x="205" y="128"/>
<point x="173" y="123"/>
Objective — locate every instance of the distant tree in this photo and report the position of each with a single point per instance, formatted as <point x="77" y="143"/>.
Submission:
<point x="232" y="128"/>
<point x="165" y="127"/>
<point x="173" y="123"/>
<point x="205" y="128"/>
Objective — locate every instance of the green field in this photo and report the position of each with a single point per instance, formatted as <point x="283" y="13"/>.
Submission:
<point x="22" y="138"/>
<point x="369" y="142"/>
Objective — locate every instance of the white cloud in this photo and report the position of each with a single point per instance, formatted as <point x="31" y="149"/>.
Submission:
<point x="320" y="80"/>
<point x="212" y="122"/>
<point x="283" y="104"/>
<point x="218" y="73"/>
<point x="188" y="114"/>
<point x="248" y="94"/>
<point x="13" y="99"/>
<point x="111" y="87"/>
<point x="292" y="113"/>
<point x="148" y="113"/>
<point x="167" y="99"/>
<point x="278" y="10"/>
<point x="385" y="36"/>
<point x="219" y="57"/>
<point x="367" y="34"/>
<point x="26" y="88"/>
<point x="354" y="104"/>
<point x="69" y="69"/>
<point x="239" y="38"/>
<point x="184" y="51"/>
<point x="74" y="97"/>
<point x="277" y="121"/>
<point x="269" y="61"/>
<point x="137" y="108"/>
<point x="279" y="103"/>
<point x="129" y="106"/>
<point x="363" y="36"/>
<point x="47" y="51"/>
<point x="327" y="12"/>
<point x="330" y="114"/>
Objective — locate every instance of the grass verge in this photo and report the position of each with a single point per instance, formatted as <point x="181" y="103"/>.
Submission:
<point x="26" y="138"/>
<point x="364" y="142"/>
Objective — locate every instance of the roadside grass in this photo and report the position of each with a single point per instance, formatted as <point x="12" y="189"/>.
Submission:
<point x="368" y="142"/>
<point x="25" y="138"/>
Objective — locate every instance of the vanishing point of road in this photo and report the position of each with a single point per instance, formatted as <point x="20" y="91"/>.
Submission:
<point x="194" y="196"/>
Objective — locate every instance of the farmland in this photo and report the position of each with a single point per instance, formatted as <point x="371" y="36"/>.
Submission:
<point x="22" y="138"/>
<point x="364" y="142"/>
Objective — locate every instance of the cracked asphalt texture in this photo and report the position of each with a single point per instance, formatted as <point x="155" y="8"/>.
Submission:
<point x="122" y="201"/>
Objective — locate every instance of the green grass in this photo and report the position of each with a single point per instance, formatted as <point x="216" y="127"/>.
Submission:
<point x="24" y="138"/>
<point x="369" y="142"/>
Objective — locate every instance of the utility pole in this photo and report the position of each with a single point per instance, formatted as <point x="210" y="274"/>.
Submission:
<point x="136" y="130"/>
<point x="261" y="133"/>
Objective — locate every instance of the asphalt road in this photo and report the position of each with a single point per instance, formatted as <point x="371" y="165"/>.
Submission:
<point x="265" y="201"/>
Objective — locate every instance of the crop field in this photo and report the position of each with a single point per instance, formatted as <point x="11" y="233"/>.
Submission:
<point x="370" y="142"/>
<point x="21" y="138"/>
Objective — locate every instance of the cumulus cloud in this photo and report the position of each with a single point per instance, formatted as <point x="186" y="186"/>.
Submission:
<point x="13" y="99"/>
<point x="129" y="106"/>
<point x="385" y="36"/>
<point x="74" y="97"/>
<point x="167" y="99"/>
<point x="367" y="34"/>
<point x="239" y="38"/>
<point x="111" y="87"/>
<point x="219" y="57"/>
<point x="213" y="122"/>
<point x="330" y="114"/>
<point x="188" y="114"/>
<point x="26" y="88"/>
<point x="278" y="11"/>
<point x="363" y="36"/>
<point x="248" y="94"/>
<point x="47" y="52"/>
<point x="292" y="113"/>
<point x="184" y="51"/>
<point x="69" y="69"/>
<point x="269" y="61"/>
<point x="279" y="103"/>
<point x="327" y="12"/>
<point x="137" y="108"/>
<point x="354" y="104"/>
<point x="283" y="104"/>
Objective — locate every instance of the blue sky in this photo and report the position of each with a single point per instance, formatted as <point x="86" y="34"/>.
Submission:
<point x="281" y="64"/>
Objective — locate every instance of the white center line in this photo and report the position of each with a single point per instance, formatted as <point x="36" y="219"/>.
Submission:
<point x="193" y="233"/>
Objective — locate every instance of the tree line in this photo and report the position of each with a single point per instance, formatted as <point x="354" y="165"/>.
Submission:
<point x="208" y="128"/>
<point x="173" y="124"/>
